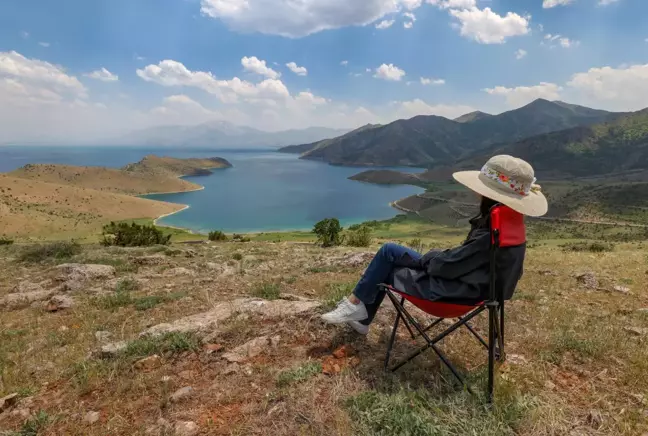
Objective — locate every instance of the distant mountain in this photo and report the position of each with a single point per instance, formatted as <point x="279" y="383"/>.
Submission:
<point x="432" y="140"/>
<point x="616" y="146"/>
<point x="325" y="142"/>
<point x="472" y="116"/>
<point x="224" y="134"/>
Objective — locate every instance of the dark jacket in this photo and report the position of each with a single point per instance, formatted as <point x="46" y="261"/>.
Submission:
<point x="461" y="274"/>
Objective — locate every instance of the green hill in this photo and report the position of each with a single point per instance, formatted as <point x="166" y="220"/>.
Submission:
<point x="432" y="140"/>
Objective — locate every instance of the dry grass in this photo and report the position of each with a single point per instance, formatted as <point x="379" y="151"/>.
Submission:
<point x="573" y="368"/>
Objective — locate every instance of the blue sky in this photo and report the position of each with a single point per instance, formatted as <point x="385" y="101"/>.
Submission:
<point x="191" y="61"/>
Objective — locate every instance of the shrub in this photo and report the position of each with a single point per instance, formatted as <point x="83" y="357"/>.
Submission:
<point x="337" y="291"/>
<point x="299" y="374"/>
<point x="127" y="285"/>
<point x="173" y="343"/>
<point x="360" y="237"/>
<point x="54" y="250"/>
<point x="593" y="247"/>
<point x="416" y="245"/>
<point x="133" y="235"/>
<point x="237" y="256"/>
<point x="5" y="241"/>
<point x="217" y="235"/>
<point x="328" y="232"/>
<point x="240" y="238"/>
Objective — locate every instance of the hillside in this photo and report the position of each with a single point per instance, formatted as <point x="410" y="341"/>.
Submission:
<point x="152" y="174"/>
<point x="431" y="140"/>
<point x="221" y="134"/>
<point x="33" y="209"/>
<point x="472" y="116"/>
<point x="225" y="339"/>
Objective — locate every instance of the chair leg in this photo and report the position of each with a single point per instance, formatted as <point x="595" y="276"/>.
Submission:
<point x="502" y="354"/>
<point x="391" y="340"/>
<point x="492" y="320"/>
<point x="476" y="335"/>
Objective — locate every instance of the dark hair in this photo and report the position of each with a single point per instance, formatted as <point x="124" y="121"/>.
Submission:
<point x="486" y="205"/>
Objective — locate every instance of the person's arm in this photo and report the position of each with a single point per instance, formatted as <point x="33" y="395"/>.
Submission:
<point x="456" y="262"/>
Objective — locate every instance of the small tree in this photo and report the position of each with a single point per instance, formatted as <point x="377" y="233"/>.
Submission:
<point x="359" y="237"/>
<point x="328" y="232"/>
<point x="217" y="235"/>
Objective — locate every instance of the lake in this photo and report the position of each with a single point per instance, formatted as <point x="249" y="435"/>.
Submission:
<point x="264" y="191"/>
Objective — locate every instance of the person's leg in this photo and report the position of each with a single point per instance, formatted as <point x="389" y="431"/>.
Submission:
<point x="363" y="304"/>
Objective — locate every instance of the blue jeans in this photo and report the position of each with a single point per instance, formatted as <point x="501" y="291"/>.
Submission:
<point x="380" y="271"/>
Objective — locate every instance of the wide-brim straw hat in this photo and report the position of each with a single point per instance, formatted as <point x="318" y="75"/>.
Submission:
<point x="507" y="180"/>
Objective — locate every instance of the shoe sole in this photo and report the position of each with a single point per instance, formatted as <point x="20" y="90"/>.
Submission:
<point x="359" y="328"/>
<point x="355" y="318"/>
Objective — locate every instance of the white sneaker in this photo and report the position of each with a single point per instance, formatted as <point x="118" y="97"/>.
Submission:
<point x="346" y="311"/>
<point x="360" y="328"/>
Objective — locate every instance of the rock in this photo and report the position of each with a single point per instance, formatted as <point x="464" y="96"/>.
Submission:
<point x="185" y="428"/>
<point x="112" y="350"/>
<point x="622" y="289"/>
<point x="91" y="417"/>
<point x="102" y="335"/>
<point x="162" y="427"/>
<point x="208" y="321"/>
<point x="190" y="253"/>
<point x="24" y="287"/>
<point x="148" y="363"/>
<point x="59" y="302"/>
<point x="212" y="348"/>
<point x="8" y="401"/>
<point x="182" y="394"/>
<point x="155" y="259"/>
<point x="179" y="271"/>
<point x="75" y="275"/>
<point x="24" y="299"/>
<point x="230" y="369"/>
<point x="22" y="413"/>
<point x="588" y="280"/>
<point x="547" y="272"/>
<point x="250" y="349"/>
<point x="637" y="331"/>
<point x="516" y="359"/>
<point x="356" y="259"/>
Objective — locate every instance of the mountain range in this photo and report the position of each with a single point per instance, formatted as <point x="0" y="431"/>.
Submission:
<point x="221" y="134"/>
<point x="428" y="141"/>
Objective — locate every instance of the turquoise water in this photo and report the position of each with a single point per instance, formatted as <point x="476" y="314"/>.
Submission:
<point x="272" y="191"/>
<point x="264" y="190"/>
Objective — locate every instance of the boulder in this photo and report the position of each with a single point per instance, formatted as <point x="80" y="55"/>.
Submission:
<point x="150" y="362"/>
<point x="179" y="271"/>
<point x="112" y="350"/>
<point x="248" y="350"/>
<point x="588" y="280"/>
<point x="91" y="417"/>
<point x="59" y="302"/>
<point x="155" y="259"/>
<point x="24" y="287"/>
<point x="8" y="401"/>
<point x="75" y="275"/>
<point x="102" y="335"/>
<point x="24" y="299"/>
<point x="356" y="259"/>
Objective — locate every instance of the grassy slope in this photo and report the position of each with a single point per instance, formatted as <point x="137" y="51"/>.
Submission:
<point x="39" y="210"/>
<point x="572" y="368"/>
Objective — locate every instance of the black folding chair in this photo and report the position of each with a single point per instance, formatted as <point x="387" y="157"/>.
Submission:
<point x="507" y="230"/>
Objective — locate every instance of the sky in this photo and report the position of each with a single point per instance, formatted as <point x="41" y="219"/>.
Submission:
<point x="79" y="70"/>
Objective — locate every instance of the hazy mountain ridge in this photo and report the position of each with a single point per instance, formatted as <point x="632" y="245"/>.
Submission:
<point x="224" y="134"/>
<point x="433" y="140"/>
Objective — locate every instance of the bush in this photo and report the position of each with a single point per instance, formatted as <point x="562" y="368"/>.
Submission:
<point x="328" y="232"/>
<point x="267" y="291"/>
<point x="54" y="250"/>
<point x="5" y="241"/>
<point x="416" y="245"/>
<point x="217" y="235"/>
<point x="592" y="247"/>
<point x="240" y="238"/>
<point x="133" y="235"/>
<point x="360" y="237"/>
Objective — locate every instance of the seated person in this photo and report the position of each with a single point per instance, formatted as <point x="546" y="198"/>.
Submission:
<point x="461" y="274"/>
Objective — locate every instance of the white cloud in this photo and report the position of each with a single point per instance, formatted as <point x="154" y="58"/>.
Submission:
<point x="408" y="25"/>
<point x="425" y="81"/>
<point x="344" y="63"/>
<point x="564" y="42"/>
<point x="24" y="35"/>
<point x="308" y="98"/>
<point x="300" y="71"/>
<point x="522" y="95"/>
<point x="257" y="66"/>
<point x="487" y="27"/>
<point x="553" y="3"/>
<point x="454" y="4"/>
<point x="104" y="75"/>
<point x="520" y="54"/>
<point x="410" y="15"/>
<point x="296" y="19"/>
<point x="607" y="2"/>
<point x="173" y="73"/>
<point x="44" y="44"/>
<point x="567" y="43"/>
<point x="409" y="109"/>
<point x="389" y="72"/>
<point x="38" y="76"/>
<point x="368" y="70"/>
<point x="619" y="88"/>
<point x="385" y="24"/>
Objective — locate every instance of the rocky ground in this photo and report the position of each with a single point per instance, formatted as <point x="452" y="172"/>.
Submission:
<point x="226" y="339"/>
